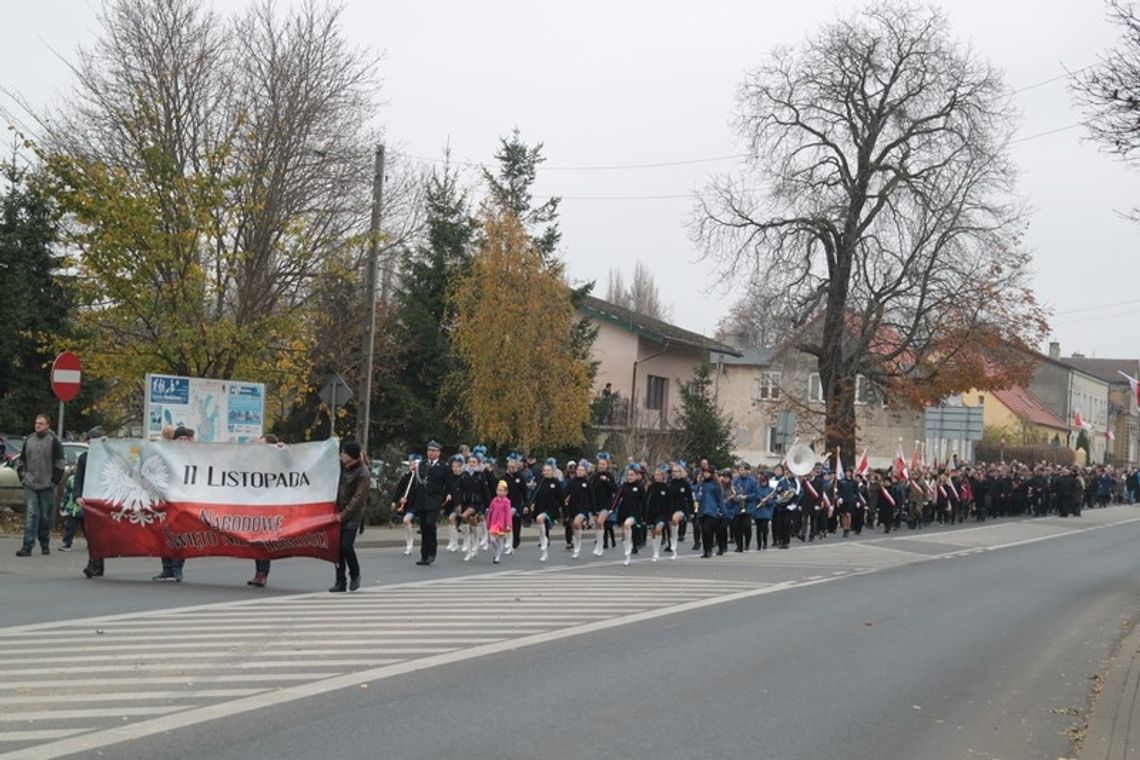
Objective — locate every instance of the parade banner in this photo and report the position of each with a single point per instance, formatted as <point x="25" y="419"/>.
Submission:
<point x="182" y="500"/>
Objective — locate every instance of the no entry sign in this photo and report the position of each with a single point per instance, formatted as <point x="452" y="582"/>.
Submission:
<point x="66" y="373"/>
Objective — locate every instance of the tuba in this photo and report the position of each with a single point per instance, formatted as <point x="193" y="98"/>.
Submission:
<point x="801" y="459"/>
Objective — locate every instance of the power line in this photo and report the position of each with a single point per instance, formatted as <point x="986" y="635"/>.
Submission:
<point x="1102" y="306"/>
<point x="1045" y="134"/>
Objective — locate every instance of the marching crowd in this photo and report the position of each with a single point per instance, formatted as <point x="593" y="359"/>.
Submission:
<point x="654" y="506"/>
<point x="635" y="505"/>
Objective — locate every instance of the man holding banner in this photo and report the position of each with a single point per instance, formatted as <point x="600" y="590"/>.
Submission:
<point x="351" y="496"/>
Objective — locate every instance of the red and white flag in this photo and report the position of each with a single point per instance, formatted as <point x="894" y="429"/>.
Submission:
<point x="863" y="466"/>
<point x="1109" y="436"/>
<point x="900" y="465"/>
<point x="915" y="462"/>
<point x="183" y="500"/>
<point x="1135" y="387"/>
<point x="1078" y="420"/>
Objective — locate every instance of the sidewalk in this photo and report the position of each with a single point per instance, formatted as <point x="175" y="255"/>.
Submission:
<point x="1113" y="731"/>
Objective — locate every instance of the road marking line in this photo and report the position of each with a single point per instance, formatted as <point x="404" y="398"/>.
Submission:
<point x="159" y="680"/>
<point x="184" y="666"/>
<point x="100" y="712"/>
<point x="41" y="734"/>
<point x="128" y="695"/>
<point x="229" y="652"/>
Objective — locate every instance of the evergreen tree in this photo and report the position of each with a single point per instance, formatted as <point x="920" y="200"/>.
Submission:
<point x="34" y="300"/>
<point x="704" y="432"/>
<point x="414" y="400"/>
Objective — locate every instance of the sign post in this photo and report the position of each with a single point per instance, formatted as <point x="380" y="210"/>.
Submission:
<point x="66" y="372"/>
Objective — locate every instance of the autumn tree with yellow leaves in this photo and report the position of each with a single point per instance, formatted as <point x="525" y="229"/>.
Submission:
<point x="521" y="382"/>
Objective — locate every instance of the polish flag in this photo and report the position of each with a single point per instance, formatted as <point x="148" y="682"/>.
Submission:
<point x="900" y="464"/>
<point x="915" y="463"/>
<point x="838" y="467"/>
<point x="1135" y="387"/>
<point x="1109" y="436"/>
<point x="864" y="465"/>
<point x="1078" y="420"/>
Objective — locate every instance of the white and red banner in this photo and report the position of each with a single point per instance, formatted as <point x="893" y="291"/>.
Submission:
<point x="178" y="499"/>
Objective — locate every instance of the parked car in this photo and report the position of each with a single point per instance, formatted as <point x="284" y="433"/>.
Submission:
<point x="12" y="491"/>
<point x="11" y="445"/>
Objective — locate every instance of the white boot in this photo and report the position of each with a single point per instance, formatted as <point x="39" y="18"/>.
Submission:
<point x="497" y="547"/>
<point x="452" y="538"/>
<point x="599" y="537"/>
<point x="577" y="543"/>
<point x="656" y="547"/>
<point x="627" y="545"/>
<point x="509" y="543"/>
<point x="470" y="544"/>
<point x="543" y="543"/>
<point x="675" y="545"/>
<point x="409" y="538"/>
<point x="481" y="532"/>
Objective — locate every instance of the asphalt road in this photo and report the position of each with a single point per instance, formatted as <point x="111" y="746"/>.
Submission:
<point x="984" y="642"/>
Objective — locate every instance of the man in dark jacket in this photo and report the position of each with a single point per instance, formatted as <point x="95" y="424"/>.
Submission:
<point x="94" y="567"/>
<point x="351" y="496"/>
<point x="41" y="467"/>
<point x="433" y="495"/>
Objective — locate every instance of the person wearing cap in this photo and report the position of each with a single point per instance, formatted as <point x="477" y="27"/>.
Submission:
<point x="811" y="502"/>
<point x="846" y="502"/>
<point x="785" y="507"/>
<point x="604" y="488"/>
<point x="404" y="501"/>
<point x="94" y="568"/>
<point x="710" y="493"/>
<point x="433" y="497"/>
<point x="351" y="498"/>
<point x="762" y="512"/>
<point x="746" y="492"/>
<point x="172" y="566"/>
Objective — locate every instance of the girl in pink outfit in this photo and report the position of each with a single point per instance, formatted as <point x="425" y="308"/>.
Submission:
<point x="499" y="520"/>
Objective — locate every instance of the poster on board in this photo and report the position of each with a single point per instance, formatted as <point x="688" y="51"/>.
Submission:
<point x="218" y="411"/>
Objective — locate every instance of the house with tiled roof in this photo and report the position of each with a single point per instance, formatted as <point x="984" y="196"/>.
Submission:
<point x="640" y="361"/>
<point x="1020" y="416"/>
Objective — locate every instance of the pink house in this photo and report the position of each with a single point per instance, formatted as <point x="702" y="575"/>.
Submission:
<point x="641" y="360"/>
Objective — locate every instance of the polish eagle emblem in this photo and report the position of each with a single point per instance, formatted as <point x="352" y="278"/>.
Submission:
<point x="135" y="487"/>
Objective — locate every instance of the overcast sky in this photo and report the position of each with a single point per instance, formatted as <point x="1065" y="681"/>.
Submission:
<point x="616" y="83"/>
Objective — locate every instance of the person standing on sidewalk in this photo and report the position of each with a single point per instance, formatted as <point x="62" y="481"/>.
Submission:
<point x="351" y="497"/>
<point x="41" y="467"/>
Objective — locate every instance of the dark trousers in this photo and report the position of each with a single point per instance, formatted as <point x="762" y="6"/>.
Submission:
<point x="762" y="532"/>
<point x="70" y="526"/>
<point x="698" y="531"/>
<point x="708" y="533"/>
<point x="886" y="517"/>
<point x="427" y="535"/>
<point x="347" y="554"/>
<point x="172" y="567"/>
<point x="857" y="519"/>
<point x="781" y="527"/>
<point x="568" y="524"/>
<point x="743" y="532"/>
<point x="516" y="530"/>
<point x="261" y="566"/>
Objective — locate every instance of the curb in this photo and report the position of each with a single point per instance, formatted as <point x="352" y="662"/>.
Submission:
<point x="1113" y="731"/>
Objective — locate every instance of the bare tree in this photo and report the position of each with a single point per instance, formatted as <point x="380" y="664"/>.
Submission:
<point x="641" y="296"/>
<point x="1109" y="92"/>
<point x="878" y="196"/>
<point x="251" y="139"/>
<point x="761" y="317"/>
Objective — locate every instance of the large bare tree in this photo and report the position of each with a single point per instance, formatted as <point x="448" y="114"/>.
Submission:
<point x="878" y="196"/>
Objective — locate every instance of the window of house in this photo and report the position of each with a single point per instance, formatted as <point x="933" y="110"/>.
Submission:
<point x="655" y="390"/>
<point x="775" y="444"/>
<point x="768" y="386"/>
<point x="864" y="393"/>
<point x="815" y="387"/>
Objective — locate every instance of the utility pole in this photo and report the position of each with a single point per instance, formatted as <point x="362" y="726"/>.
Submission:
<point x="364" y="418"/>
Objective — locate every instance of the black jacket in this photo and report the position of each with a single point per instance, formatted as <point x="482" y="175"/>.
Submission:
<point x="435" y="479"/>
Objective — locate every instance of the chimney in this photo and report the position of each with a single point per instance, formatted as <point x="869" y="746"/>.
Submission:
<point x="1054" y="350"/>
<point x="1078" y="356"/>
